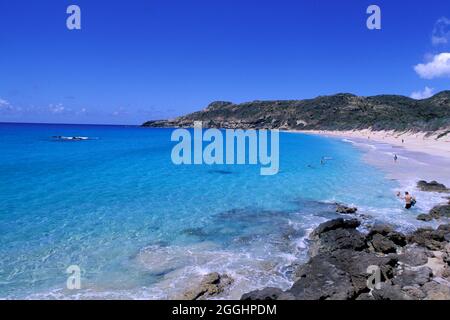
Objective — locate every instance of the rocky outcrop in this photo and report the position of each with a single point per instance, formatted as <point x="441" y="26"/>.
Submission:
<point x="336" y="112"/>
<point x="268" y="293"/>
<point x="337" y="234"/>
<point x="343" y="259"/>
<point x="424" y="217"/>
<point x="440" y="211"/>
<point x="339" y="223"/>
<point x="340" y="208"/>
<point x="437" y="212"/>
<point x="211" y="285"/>
<point x="432" y="186"/>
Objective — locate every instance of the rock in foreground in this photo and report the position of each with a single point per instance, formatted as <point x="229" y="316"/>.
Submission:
<point x="383" y="264"/>
<point x="212" y="284"/>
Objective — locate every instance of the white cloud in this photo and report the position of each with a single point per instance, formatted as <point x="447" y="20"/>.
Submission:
<point x="4" y="103"/>
<point x="439" y="66"/>
<point x="120" y="112"/>
<point x="441" y="32"/>
<point x="425" y="93"/>
<point x="58" y="108"/>
<point x="5" y="106"/>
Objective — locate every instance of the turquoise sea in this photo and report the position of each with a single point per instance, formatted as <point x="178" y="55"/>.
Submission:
<point x="141" y="227"/>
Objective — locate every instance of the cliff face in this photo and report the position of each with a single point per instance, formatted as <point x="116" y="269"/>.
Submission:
<point x="336" y="112"/>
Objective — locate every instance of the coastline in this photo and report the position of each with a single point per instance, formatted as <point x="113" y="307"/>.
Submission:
<point x="417" y="142"/>
<point x="416" y="263"/>
<point x="413" y="164"/>
<point x="418" y="159"/>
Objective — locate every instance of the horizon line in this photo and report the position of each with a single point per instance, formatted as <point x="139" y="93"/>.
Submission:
<point x="77" y="124"/>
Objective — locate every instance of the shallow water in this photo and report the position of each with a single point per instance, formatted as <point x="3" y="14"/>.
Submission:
<point x="142" y="227"/>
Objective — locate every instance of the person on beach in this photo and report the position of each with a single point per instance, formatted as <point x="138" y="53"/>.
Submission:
<point x="409" y="200"/>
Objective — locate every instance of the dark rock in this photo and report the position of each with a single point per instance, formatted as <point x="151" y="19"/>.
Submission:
<point x="347" y="264"/>
<point x="445" y="229"/>
<point x="414" y="256"/>
<point x="424" y="217"/>
<point x="340" y="265"/>
<point x="319" y="280"/>
<point x="387" y="231"/>
<point x="346" y="210"/>
<point x="432" y="186"/>
<point x="268" y="293"/>
<point x="383" y="244"/>
<point x="429" y="238"/>
<point x="397" y="237"/>
<point x="338" y="239"/>
<point x="382" y="229"/>
<point x="338" y="223"/>
<point x="365" y="296"/>
<point x="211" y="285"/>
<point x="390" y="292"/>
<point x="440" y="211"/>
<point x="413" y="277"/>
<point x="356" y="264"/>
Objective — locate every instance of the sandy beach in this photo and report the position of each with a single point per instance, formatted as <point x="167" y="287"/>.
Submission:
<point x="418" y="158"/>
<point x="418" y="142"/>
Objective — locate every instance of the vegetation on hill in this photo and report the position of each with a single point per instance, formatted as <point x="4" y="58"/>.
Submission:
<point x="336" y="112"/>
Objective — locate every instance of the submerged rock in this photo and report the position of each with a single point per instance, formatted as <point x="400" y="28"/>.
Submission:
<point x="346" y="210"/>
<point x="212" y="284"/>
<point x="424" y="217"/>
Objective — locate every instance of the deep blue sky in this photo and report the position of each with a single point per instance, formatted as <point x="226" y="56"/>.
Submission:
<point x="146" y="59"/>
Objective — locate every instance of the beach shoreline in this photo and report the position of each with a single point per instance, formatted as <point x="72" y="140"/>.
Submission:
<point x="412" y="141"/>
<point x="418" y="159"/>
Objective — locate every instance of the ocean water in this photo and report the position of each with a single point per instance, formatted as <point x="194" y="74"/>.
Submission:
<point x="140" y="227"/>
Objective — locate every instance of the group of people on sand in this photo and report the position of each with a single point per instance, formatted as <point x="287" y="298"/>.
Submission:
<point x="410" y="201"/>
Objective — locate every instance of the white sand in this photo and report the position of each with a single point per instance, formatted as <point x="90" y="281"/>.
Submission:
<point x="411" y="141"/>
<point x="418" y="158"/>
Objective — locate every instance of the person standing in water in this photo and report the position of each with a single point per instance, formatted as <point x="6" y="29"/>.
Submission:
<point x="395" y="158"/>
<point x="409" y="200"/>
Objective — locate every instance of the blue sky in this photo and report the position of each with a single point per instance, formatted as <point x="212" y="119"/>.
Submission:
<point x="149" y="59"/>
